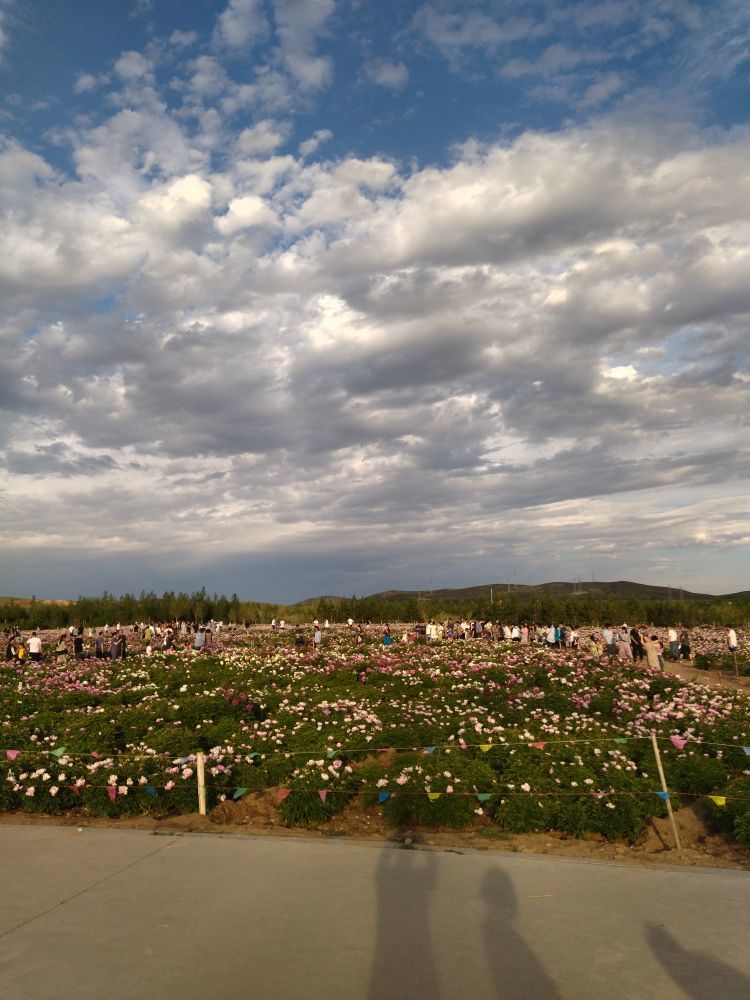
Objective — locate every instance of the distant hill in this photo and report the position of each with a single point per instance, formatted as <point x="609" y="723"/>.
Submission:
<point x="560" y="588"/>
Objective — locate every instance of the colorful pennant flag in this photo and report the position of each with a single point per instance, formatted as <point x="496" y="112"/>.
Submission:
<point x="677" y="741"/>
<point x="539" y="745"/>
<point x="323" y="793"/>
<point x="59" y="752"/>
<point x="112" y="792"/>
<point x="484" y="796"/>
<point x="182" y="760"/>
<point x="463" y="744"/>
<point x="434" y="796"/>
<point x="330" y="753"/>
<point x="383" y="796"/>
<point x="12" y="754"/>
<point x="75" y="789"/>
<point x="747" y="751"/>
<point x="484" y="747"/>
<point x="284" y="793"/>
<point x="430" y="750"/>
<point x="95" y="755"/>
<point x="151" y="790"/>
<point x="620" y="739"/>
<point x="661" y="795"/>
<point x="718" y="800"/>
<point x="239" y="792"/>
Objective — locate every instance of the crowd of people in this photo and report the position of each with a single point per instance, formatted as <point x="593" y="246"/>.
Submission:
<point x="624" y="642"/>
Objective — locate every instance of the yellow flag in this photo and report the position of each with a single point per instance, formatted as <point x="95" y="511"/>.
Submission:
<point x="484" y="747"/>
<point x="719" y="800"/>
<point x="433" y="795"/>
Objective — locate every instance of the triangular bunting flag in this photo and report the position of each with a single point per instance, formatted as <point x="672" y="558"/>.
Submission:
<point x="59" y="752"/>
<point x="95" y="755"/>
<point x="747" y="751"/>
<point x="383" y="796"/>
<point x="12" y="754"/>
<point x="284" y="793"/>
<point x="112" y="792"/>
<point x="463" y="744"/>
<point x="239" y="792"/>
<point x="74" y="789"/>
<point x="429" y="750"/>
<point x="619" y="739"/>
<point x="661" y="795"/>
<point x="151" y="790"/>
<point x="182" y="760"/>
<point x="434" y="796"/>
<point x="323" y="793"/>
<point x="539" y="745"/>
<point x="330" y="753"/>
<point x="718" y="800"/>
<point x="484" y="747"/>
<point x="677" y="741"/>
<point x="484" y="796"/>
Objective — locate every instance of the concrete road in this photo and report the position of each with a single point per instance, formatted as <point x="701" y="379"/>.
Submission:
<point x="124" y="915"/>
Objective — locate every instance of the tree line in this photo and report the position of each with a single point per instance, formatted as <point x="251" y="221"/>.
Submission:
<point x="540" y="608"/>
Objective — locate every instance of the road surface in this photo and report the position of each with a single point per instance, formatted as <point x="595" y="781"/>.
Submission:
<point x="126" y="915"/>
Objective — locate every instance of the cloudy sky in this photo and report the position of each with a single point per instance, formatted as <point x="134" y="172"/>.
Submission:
<point x="332" y="296"/>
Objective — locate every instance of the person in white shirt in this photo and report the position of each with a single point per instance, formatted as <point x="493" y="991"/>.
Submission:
<point x="34" y="646"/>
<point x="731" y="641"/>
<point x="674" y="646"/>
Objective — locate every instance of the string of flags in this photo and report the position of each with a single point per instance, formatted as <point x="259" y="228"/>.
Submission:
<point x="680" y="742"/>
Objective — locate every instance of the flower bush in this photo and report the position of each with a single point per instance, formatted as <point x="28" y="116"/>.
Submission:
<point x="519" y="735"/>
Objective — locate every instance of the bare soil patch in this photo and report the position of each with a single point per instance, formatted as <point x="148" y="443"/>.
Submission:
<point x="256" y="815"/>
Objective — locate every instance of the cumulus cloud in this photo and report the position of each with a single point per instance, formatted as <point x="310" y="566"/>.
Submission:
<point x="298" y="24"/>
<point x="387" y="74"/>
<point x="242" y="23"/>
<point x="536" y="348"/>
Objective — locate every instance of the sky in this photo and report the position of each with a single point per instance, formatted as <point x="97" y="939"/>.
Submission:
<point x="306" y="297"/>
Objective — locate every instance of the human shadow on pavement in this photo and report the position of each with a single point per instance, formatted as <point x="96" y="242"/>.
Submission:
<point x="516" y="972"/>
<point x="404" y="963"/>
<point x="697" y="973"/>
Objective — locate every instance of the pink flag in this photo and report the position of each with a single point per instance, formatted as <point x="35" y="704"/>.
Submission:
<point x="678" y="741"/>
<point x="323" y="793"/>
<point x="112" y="792"/>
<point x="539" y="746"/>
<point x="463" y="744"/>
<point x="284" y="793"/>
<point x="12" y="754"/>
<point x="96" y="756"/>
<point x="74" y="788"/>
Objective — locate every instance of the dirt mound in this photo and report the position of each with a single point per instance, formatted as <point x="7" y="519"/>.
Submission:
<point x="255" y="809"/>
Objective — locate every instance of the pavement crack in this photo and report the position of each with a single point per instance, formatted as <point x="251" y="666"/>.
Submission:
<point x="88" y="888"/>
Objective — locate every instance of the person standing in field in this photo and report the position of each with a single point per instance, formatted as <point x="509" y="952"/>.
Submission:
<point x="674" y="645"/>
<point x="732" y="641"/>
<point x="35" y="647"/>
<point x="685" y="644"/>
<point x="652" y="649"/>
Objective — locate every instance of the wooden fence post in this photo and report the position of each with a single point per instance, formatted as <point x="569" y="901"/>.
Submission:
<point x="665" y="789"/>
<point x="200" y="761"/>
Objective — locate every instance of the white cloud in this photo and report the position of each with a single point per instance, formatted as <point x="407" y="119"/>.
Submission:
<point x="131" y="66"/>
<point x="242" y="24"/>
<point x="298" y="25"/>
<point x="262" y="139"/>
<point x="387" y="74"/>
<point x="311" y="145"/>
<point x="246" y="212"/>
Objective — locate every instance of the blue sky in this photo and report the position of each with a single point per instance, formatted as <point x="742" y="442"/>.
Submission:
<point x="304" y="296"/>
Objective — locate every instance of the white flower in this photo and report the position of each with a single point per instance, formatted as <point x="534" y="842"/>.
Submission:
<point x="54" y="790"/>
<point x="525" y="787"/>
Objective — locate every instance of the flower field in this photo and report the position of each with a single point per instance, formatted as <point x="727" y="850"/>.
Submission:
<point x="449" y="734"/>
